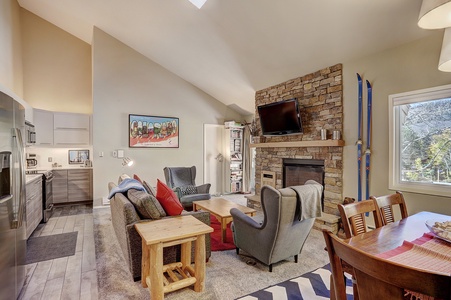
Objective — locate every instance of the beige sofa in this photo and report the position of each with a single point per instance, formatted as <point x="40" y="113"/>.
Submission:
<point x="124" y="216"/>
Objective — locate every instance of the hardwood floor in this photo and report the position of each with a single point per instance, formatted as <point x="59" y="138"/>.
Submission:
<point x="71" y="277"/>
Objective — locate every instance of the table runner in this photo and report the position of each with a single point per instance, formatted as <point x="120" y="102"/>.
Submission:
<point x="426" y="253"/>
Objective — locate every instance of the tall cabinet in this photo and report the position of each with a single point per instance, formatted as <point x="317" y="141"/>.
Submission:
<point x="235" y="158"/>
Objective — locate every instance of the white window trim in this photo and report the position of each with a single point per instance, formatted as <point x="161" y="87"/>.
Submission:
<point x="395" y="183"/>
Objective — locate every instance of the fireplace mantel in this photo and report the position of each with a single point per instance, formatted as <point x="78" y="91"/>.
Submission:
<point x="300" y="144"/>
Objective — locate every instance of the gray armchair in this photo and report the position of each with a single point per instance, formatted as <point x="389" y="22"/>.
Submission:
<point x="284" y="229"/>
<point x="182" y="180"/>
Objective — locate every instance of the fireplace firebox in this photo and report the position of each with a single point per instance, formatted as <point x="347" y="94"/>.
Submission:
<point x="298" y="171"/>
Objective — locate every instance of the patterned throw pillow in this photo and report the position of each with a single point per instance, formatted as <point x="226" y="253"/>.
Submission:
<point x="149" y="188"/>
<point x="188" y="190"/>
<point x="147" y="205"/>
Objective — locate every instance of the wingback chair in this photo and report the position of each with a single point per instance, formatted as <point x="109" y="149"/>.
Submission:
<point x="282" y="234"/>
<point x="182" y="180"/>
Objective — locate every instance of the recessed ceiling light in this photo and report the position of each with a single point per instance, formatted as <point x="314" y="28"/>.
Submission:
<point x="198" y="3"/>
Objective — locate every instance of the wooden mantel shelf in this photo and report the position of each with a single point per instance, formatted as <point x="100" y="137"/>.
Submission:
<point x="300" y="144"/>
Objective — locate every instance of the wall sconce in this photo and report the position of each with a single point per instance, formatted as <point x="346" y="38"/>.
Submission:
<point x="435" y="14"/>
<point x="127" y="161"/>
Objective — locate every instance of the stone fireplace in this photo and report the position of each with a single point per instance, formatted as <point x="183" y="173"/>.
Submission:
<point x="320" y="100"/>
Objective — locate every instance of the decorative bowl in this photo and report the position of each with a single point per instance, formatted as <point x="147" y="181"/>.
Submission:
<point x="440" y="229"/>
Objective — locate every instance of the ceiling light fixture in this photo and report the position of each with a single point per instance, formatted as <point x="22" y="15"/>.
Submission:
<point x="198" y="3"/>
<point x="435" y="14"/>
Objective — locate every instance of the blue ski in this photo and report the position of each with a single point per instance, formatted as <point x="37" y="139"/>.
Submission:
<point x="368" y="137"/>
<point x="359" y="142"/>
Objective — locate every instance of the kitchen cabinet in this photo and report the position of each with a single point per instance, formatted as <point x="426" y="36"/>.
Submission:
<point x="70" y="128"/>
<point x="43" y="122"/>
<point x="72" y="185"/>
<point x="33" y="204"/>
<point x="59" y="186"/>
<point x="61" y="128"/>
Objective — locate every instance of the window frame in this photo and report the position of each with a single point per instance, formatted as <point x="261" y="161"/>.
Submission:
<point x="395" y="101"/>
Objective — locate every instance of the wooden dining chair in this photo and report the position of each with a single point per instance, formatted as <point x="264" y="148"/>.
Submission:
<point x="353" y="216"/>
<point x="386" y="203"/>
<point x="380" y="278"/>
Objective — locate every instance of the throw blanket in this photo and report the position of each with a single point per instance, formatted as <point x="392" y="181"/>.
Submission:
<point x="125" y="185"/>
<point x="309" y="197"/>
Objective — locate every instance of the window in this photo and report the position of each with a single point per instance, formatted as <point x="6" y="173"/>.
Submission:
<point x="420" y="141"/>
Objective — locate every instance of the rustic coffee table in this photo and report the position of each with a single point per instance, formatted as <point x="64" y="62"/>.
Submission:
<point x="168" y="232"/>
<point x="220" y="208"/>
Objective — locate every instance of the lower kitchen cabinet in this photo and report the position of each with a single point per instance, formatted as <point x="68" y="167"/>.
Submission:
<point x="72" y="185"/>
<point x="33" y="205"/>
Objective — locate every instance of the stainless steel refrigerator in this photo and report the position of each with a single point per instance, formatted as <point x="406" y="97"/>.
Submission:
<point x="12" y="198"/>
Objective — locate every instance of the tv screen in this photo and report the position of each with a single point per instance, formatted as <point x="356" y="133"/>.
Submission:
<point x="280" y="118"/>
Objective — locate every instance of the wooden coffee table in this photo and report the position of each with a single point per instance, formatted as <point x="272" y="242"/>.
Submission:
<point x="181" y="230"/>
<point x="220" y="208"/>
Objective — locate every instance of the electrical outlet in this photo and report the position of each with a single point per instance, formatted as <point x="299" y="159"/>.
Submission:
<point x="101" y="154"/>
<point x="50" y="159"/>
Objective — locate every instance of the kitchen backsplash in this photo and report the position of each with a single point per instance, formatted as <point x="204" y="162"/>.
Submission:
<point x="60" y="156"/>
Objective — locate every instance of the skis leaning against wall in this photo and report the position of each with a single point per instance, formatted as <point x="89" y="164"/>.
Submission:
<point x="368" y="137"/>
<point x="359" y="140"/>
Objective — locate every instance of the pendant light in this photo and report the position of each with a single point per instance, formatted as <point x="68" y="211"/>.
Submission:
<point x="435" y="14"/>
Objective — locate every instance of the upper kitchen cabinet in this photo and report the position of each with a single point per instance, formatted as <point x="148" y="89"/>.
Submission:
<point x="71" y="129"/>
<point x="43" y="124"/>
<point x="61" y="128"/>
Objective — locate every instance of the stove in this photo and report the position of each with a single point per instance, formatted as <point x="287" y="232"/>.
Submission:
<point x="47" y="192"/>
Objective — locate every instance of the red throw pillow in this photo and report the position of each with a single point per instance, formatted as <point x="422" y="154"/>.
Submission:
<point x="136" y="177"/>
<point x="168" y="199"/>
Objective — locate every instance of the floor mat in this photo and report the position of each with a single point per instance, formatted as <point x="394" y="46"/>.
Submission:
<point x="51" y="246"/>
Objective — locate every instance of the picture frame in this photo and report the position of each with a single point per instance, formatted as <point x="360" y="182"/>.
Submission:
<point x="146" y="131"/>
<point x="78" y="157"/>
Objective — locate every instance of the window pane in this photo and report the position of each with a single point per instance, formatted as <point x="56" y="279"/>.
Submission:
<point x="425" y="141"/>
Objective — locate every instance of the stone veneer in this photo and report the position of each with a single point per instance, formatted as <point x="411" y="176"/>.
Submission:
<point x="320" y="99"/>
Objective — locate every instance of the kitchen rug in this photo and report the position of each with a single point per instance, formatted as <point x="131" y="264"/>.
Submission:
<point x="51" y="246"/>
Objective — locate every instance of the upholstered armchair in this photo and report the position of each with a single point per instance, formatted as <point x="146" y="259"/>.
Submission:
<point x="285" y="227"/>
<point x="182" y="181"/>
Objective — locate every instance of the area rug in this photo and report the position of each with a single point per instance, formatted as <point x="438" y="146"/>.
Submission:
<point x="215" y="236"/>
<point x="51" y="246"/>
<point x="310" y="286"/>
<point x="228" y="275"/>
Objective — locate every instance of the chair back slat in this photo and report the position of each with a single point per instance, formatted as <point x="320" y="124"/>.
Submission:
<point x="353" y="216"/>
<point x="386" y="203"/>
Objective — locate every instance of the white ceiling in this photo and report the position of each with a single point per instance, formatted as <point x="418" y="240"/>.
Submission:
<point x="232" y="48"/>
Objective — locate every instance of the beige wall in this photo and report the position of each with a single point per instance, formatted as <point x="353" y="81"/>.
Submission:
<point x="125" y="82"/>
<point x="409" y="67"/>
<point x="10" y="47"/>
<point x="56" y="67"/>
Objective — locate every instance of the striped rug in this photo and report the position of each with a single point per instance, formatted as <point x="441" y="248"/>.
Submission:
<point x="310" y="286"/>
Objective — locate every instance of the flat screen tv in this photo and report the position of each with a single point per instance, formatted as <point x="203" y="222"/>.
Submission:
<point x="280" y="118"/>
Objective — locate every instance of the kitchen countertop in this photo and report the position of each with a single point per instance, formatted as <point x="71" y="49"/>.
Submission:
<point x="32" y="177"/>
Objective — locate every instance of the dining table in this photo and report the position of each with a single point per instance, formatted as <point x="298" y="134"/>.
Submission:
<point x="409" y="242"/>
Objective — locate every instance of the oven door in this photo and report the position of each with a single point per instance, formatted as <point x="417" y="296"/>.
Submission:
<point x="48" y="199"/>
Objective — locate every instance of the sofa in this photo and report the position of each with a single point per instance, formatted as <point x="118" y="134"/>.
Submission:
<point x="124" y="215"/>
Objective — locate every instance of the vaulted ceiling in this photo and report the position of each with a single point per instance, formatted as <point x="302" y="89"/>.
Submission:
<point x="232" y="48"/>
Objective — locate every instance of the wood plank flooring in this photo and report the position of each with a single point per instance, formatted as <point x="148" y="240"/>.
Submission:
<point x="71" y="277"/>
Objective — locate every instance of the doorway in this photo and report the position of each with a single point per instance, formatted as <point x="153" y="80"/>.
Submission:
<point x="214" y="158"/>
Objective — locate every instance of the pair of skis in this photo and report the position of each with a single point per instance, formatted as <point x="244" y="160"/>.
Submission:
<point x="368" y="137"/>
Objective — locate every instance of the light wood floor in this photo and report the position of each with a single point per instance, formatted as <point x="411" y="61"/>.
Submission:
<point x="71" y="277"/>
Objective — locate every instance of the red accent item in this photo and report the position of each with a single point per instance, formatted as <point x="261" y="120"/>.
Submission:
<point x="168" y="199"/>
<point x="136" y="177"/>
<point x="215" y="236"/>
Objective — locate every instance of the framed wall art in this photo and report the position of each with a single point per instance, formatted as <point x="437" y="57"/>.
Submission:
<point x="153" y="131"/>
